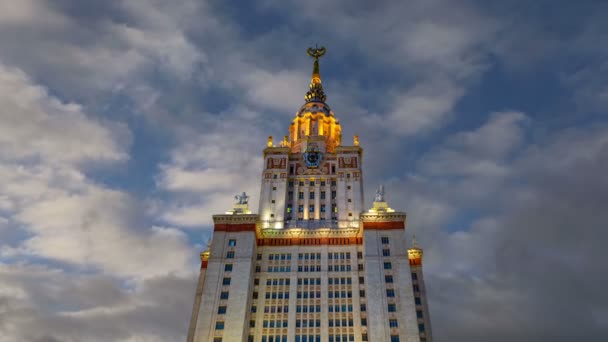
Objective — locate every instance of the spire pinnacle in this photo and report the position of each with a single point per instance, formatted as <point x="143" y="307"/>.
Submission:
<point x="316" y="93"/>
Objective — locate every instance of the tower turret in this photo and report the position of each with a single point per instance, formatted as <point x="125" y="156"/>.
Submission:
<point x="315" y="121"/>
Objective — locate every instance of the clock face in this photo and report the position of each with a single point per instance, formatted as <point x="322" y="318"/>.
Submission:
<point x="312" y="158"/>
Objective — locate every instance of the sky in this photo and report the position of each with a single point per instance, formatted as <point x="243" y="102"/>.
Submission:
<point x="124" y="125"/>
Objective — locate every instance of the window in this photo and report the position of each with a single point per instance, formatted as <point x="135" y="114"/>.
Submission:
<point x="394" y="338"/>
<point x="311" y="195"/>
<point x="388" y="279"/>
<point x="364" y="321"/>
<point x="350" y="200"/>
<point x="384" y="240"/>
<point x="232" y="242"/>
<point x="226" y="281"/>
<point x="254" y="309"/>
<point x="301" y="195"/>
<point x="311" y="208"/>
<point x="301" y="183"/>
<point x="421" y="327"/>
<point x="360" y="267"/>
<point x="362" y="293"/>
<point x="219" y="325"/>
<point x="333" y="195"/>
<point x="256" y="281"/>
<point x="221" y="310"/>
<point x="230" y="255"/>
<point x="416" y="288"/>
<point x="290" y="183"/>
<point x="359" y="255"/>
<point x="228" y="268"/>
<point x="348" y="187"/>
<point x="417" y="301"/>
<point x="217" y="339"/>
<point x="300" y="208"/>
<point x="392" y="308"/>
<point x="258" y="268"/>
<point x="393" y="323"/>
<point x="322" y="194"/>
<point x="414" y="276"/>
<point x="252" y="324"/>
<point x="322" y="208"/>
<point x="290" y="195"/>
<point x="272" y="201"/>
<point x="419" y="313"/>
<point x="386" y="252"/>
<point x="259" y="256"/>
<point x="224" y="295"/>
<point x="322" y="183"/>
<point x="312" y="183"/>
<point x="390" y="293"/>
<point x="361" y="280"/>
<point x="364" y="338"/>
<point x="388" y="266"/>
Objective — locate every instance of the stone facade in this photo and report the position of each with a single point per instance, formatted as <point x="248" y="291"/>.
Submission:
<point x="312" y="265"/>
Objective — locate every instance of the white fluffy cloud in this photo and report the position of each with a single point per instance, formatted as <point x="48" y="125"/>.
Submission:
<point x="67" y="217"/>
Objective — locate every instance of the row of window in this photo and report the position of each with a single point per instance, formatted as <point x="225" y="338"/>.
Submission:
<point x="274" y="309"/>
<point x="278" y="281"/>
<point x="311" y="183"/>
<point x="311" y="268"/>
<point x="339" y="268"/>
<point x="308" y="308"/>
<point x="275" y="338"/>
<point x="309" y="281"/>
<point x="311" y="208"/>
<point x="338" y="255"/>
<point x="306" y="323"/>
<point x="277" y="295"/>
<point x="309" y="256"/>
<point x="343" y="308"/>
<point x="275" y="323"/>
<point x="277" y="269"/>
<point x="311" y="294"/>
<point x="341" y="323"/>
<point x="342" y="338"/>
<point x="308" y="338"/>
<point x="337" y="281"/>
<point x="340" y="294"/>
<point x="281" y="256"/>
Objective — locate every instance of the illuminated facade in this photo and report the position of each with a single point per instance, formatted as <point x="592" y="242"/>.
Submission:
<point x="312" y="265"/>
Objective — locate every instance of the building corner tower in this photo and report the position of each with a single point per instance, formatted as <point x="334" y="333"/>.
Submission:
<point x="312" y="265"/>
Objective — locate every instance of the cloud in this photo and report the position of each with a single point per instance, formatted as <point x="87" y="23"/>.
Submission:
<point x="38" y="303"/>
<point x="39" y="126"/>
<point x="206" y="171"/>
<point x="530" y="234"/>
<point x="66" y="216"/>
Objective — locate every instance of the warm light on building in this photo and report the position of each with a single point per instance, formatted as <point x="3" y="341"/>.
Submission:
<point x="312" y="265"/>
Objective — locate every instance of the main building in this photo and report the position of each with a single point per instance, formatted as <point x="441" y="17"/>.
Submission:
<point x="312" y="265"/>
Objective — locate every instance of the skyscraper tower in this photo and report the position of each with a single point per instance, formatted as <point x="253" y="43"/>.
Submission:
<point x="312" y="265"/>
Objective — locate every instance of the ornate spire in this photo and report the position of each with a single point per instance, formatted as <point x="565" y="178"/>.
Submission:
<point x="316" y="93"/>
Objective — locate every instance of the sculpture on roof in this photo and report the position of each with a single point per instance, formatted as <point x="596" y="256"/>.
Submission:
<point x="242" y="198"/>
<point x="379" y="197"/>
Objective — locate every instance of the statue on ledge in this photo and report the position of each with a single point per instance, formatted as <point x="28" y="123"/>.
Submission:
<point x="242" y="198"/>
<point x="379" y="197"/>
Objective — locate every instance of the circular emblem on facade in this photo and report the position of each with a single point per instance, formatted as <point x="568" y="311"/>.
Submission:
<point x="312" y="157"/>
